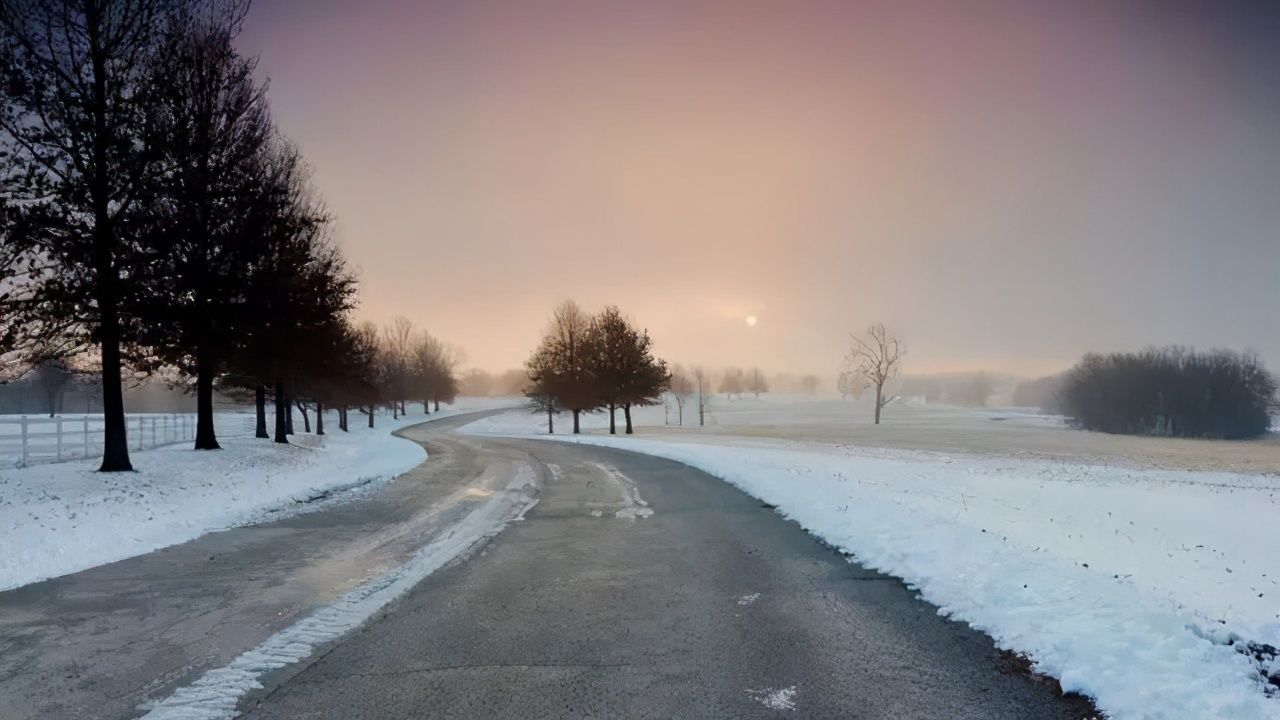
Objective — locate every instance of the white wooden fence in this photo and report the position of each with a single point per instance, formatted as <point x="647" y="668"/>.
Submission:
<point x="30" y="439"/>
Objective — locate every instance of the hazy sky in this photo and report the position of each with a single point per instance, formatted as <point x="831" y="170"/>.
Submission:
<point x="1007" y="185"/>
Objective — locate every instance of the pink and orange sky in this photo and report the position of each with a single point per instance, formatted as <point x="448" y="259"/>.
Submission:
<point x="1007" y="185"/>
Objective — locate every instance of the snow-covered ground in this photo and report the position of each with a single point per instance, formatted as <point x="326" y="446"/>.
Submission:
<point x="1152" y="590"/>
<point x="57" y="519"/>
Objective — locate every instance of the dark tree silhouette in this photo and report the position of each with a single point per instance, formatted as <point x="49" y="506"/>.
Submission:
<point x="610" y="363"/>
<point x="73" y="101"/>
<point x="569" y="346"/>
<point x="545" y="385"/>
<point x="646" y="378"/>
<point x="298" y="283"/>
<point x="209" y="124"/>
<point x="1173" y="392"/>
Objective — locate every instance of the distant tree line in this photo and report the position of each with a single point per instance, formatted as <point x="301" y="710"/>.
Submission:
<point x="480" y="383"/>
<point x="1044" y="393"/>
<point x="586" y="363"/>
<point x="962" y="389"/>
<point x="155" y="220"/>
<point x="1172" y="392"/>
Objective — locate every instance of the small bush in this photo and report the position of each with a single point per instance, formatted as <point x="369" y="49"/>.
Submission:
<point x="1172" y="392"/>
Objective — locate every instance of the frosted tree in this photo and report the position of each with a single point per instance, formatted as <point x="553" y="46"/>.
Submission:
<point x="876" y="358"/>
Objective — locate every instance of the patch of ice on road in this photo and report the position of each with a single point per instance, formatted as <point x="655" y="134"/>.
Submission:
<point x="748" y="598"/>
<point x="633" y="506"/>
<point x="215" y="695"/>
<point x="633" y="513"/>
<point x="779" y="699"/>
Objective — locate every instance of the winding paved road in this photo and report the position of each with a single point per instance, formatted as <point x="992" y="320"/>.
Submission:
<point x="636" y="587"/>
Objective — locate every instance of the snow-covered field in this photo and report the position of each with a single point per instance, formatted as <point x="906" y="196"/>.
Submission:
<point x="60" y="518"/>
<point x="1153" y="590"/>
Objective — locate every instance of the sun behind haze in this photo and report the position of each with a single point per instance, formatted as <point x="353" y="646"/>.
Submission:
<point x="1007" y="185"/>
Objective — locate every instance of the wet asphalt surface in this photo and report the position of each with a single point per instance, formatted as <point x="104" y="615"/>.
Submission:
<point x="713" y="606"/>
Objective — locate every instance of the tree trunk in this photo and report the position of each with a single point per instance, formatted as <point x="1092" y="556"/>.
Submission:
<point x="115" y="441"/>
<point x="437" y="406"/>
<point x="288" y="415"/>
<point x="395" y="410"/>
<point x="551" y="428"/>
<point x="426" y="407"/>
<point x="680" y="413"/>
<point x="626" y="412"/>
<point x="879" y="392"/>
<point x="260" y="404"/>
<point x="372" y="408"/>
<point x="282" y="427"/>
<point x="342" y="418"/>
<point x="319" y="418"/>
<point x="306" y="418"/>
<point x="206" y="438"/>
<point x="576" y="428"/>
<point x="613" y="426"/>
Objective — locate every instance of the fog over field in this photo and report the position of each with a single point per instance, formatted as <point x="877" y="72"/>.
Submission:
<point x="1008" y="185"/>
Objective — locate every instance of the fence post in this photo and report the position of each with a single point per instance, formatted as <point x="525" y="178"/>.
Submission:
<point x="58" y="426"/>
<point x="24" y="440"/>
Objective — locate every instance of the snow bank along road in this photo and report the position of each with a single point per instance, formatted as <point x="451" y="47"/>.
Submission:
<point x="105" y="642"/>
<point x="623" y="586"/>
<point x="1152" y="591"/>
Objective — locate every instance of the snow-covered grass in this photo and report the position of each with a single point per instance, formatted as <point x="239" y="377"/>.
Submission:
<point x="61" y="518"/>
<point x="1152" y="590"/>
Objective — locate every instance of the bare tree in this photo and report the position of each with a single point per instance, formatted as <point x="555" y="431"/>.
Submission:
<point x="397" y="342"/>
<point x="755" y="382"/>
<point x="682" y="387"/>
<point x="876" y="359"/>
<point x="702" y="383"/>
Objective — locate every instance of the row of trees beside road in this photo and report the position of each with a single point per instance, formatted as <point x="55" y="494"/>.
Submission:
<point x="586" y="363"/>
<point x="155" y="221"/>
